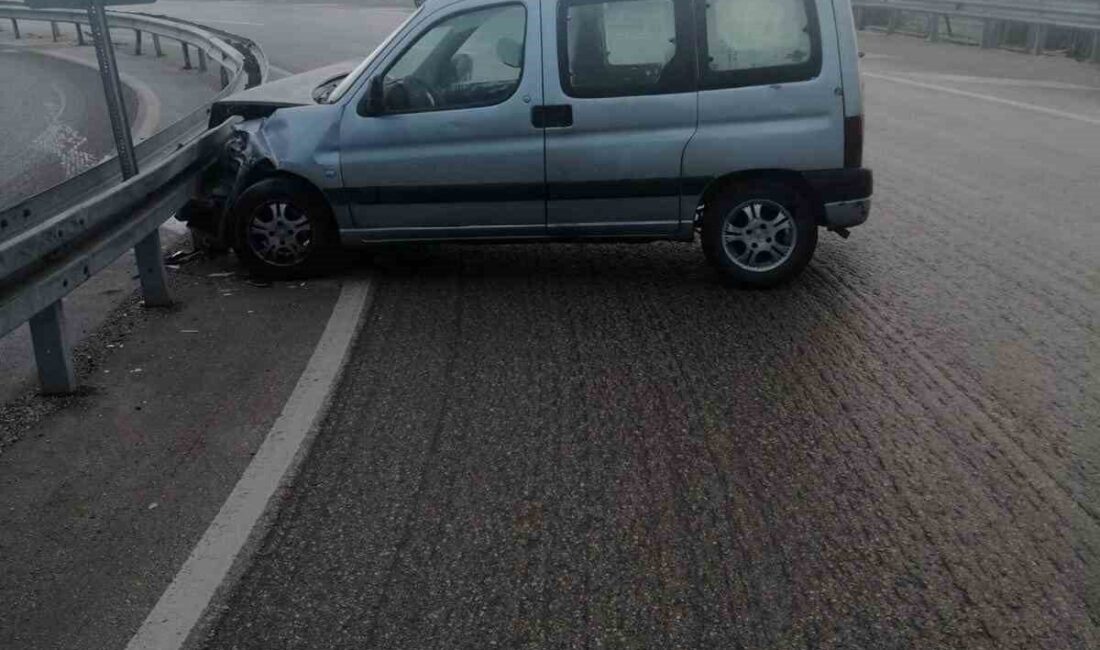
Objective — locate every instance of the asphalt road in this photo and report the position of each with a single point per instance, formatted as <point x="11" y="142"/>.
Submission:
<point x="51" y="122"/>
<point x="602" y="446"/>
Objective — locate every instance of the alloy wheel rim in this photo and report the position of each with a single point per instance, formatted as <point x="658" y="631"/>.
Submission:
<point x="759" y="235"/>
<point x="280" y="234"/>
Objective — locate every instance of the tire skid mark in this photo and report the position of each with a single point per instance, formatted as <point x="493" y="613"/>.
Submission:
<point x="934" y="390"/>
<point x="972" y="559"/>
<point x="1075" y="551"/>
<point x="1025" y="329"/>
<point x="982" y="412"/>
<point x="823" y="374"/>
<point x="1058" y="365"/>
<point x="991" y="496"/>
<point x="727" y="491"/>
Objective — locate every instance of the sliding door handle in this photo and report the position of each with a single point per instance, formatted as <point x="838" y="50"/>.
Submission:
<point x="552" y="117"/>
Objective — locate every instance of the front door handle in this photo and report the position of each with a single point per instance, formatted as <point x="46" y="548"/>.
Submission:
<point x="548" y="117"/>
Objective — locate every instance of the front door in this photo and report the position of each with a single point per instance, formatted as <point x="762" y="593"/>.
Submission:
<point x="620" y="108"/>
<point x="455" y="153"/>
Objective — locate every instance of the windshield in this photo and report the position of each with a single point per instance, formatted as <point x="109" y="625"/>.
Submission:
<point x="349" y="80"/>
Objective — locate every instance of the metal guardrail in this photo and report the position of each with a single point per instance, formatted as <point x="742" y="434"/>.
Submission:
<point x="53" y="242"/>
<point x="996" y="16"/>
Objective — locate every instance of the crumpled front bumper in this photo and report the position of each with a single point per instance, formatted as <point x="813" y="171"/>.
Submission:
<point x="205" y="214"/>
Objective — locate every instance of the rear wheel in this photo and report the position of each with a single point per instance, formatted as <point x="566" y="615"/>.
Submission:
<point x="282" y="229"/>
<point x="759" y="234"/>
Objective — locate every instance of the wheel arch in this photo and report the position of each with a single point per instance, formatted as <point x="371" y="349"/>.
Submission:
<point x="789" y="177"/>
<point x="266" y="170"/>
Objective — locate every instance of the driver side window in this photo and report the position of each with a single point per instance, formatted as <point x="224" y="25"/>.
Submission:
<point x="469" y="60"/>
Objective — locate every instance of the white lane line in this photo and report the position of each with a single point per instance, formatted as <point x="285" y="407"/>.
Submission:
<point x="988" y="98"/>
<point x="231" y="22"/>
<point x="187" y="606"/>
<point x="1000" y="81"/>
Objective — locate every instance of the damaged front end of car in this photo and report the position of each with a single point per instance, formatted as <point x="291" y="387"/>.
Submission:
<point x="207" y="214"/>
<point x="288" y="127"/>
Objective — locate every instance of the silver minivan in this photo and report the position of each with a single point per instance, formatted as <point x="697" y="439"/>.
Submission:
<point x="550" y="120"/>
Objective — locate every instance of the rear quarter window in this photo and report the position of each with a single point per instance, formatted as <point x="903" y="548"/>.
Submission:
<point x="755" y="42"/>
<point x="620" y="48"/>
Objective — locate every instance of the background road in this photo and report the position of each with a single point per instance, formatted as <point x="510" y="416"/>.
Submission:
<point x="573" y="446"/>
<point x="52" y="121"/>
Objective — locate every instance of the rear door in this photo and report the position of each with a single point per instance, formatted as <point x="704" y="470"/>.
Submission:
<point x="620" y="107"/>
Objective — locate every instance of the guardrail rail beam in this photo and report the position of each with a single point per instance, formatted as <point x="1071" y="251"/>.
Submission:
<point x="1040" y="18"/>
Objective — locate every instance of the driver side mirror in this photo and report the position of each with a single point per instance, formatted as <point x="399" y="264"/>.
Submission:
<point x="374" y="102"/>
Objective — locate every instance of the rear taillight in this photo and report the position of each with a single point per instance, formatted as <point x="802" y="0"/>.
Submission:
<point x="853" y="141"/>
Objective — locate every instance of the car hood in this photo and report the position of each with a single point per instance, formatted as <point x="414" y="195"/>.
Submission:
<point x="295" y="90"/>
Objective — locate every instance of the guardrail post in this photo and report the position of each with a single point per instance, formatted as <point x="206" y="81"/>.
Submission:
<point x="54" y="31"/>
<point x="79" y="34"/>
<point x="1096" y="47"/>
<point x="892" y="21"/>
<point x="202" y="59"/>
<point x="224" y="72"/>
<point x="137" y="42"/>
<point x="1037" y="35"/>
<point x="15" y="27"/>
<point x="990" y="34"/>
<point x="51" y="350"/>
<point x="186" y="56"/>
<point x="156" y="45"/>
<point x="933" y="28"/>
<point x="861" y="20"/>
<point x="150" y="262"/>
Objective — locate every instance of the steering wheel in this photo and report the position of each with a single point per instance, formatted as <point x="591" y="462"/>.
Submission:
<point x="421" y="87"/>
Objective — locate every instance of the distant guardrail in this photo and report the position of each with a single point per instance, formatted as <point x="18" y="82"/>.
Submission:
<point x="1036" y="20"/>
<point x="53" y="242"/>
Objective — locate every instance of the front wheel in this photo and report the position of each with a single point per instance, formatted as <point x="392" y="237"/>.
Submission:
<point x="759" y="234"/>
<point x="282" y="229"/>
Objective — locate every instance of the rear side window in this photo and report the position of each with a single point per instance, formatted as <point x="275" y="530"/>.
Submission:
<point x="615" y="48"/>
<point x="751" y="42"/>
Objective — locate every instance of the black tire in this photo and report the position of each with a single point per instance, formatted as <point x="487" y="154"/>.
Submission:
<point x="297" y="251"/>
<point x="726" y="213"/>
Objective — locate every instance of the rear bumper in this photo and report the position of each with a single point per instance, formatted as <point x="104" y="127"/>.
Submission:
<point x="845" y="195"/>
